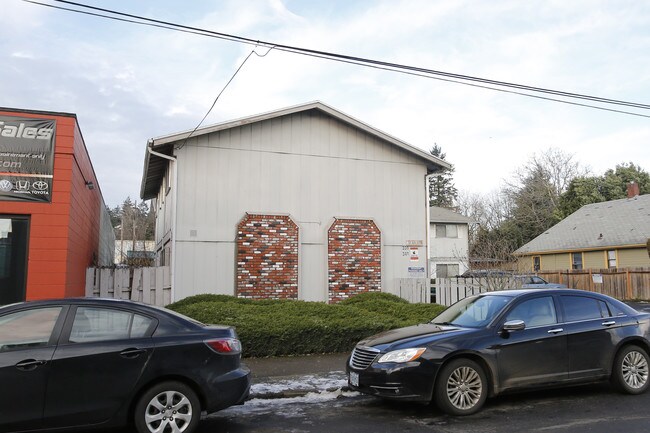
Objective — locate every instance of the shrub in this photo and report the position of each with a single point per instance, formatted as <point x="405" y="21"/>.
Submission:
<point x="374" y="296"/>
<point x="283" y="327"/>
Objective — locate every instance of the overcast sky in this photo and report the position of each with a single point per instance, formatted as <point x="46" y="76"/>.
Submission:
<point x="127" y="83"/>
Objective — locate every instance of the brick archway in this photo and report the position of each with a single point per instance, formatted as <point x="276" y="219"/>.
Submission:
<point x="267" y="257"/>
<point x="353" y="258"/>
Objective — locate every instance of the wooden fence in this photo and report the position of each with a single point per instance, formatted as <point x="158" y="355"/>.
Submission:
<point x="148" y="285"/>
<point x="414" y="289"/>
<point x="623" y="284"/>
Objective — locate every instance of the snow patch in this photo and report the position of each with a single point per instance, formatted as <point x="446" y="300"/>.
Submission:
<point x="310" y="383"/>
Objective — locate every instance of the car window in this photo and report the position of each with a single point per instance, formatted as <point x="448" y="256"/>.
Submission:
<point x="102" y="324"/>
<point x="27" y="328"/>
<point x="538" y="280"/>
<point x="535" y="312"/>
<point x="615" y="310"/>
<point x="581" y="308"/>
<point x="473" y="312"/>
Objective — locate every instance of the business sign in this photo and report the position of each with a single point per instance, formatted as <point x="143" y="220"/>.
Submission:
<point x="26" y="159"/>
<point x="417" y="272"/>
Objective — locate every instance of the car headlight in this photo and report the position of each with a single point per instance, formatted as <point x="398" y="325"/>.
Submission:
<point x="404" y="355"/>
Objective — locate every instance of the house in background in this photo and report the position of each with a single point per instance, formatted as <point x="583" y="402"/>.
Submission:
<point x="611" y="234"/>
<point x="138" y="253"/>
<point x="448" y="242"/>
<point x="53" y="220"/>
<point x="300" y="203"/>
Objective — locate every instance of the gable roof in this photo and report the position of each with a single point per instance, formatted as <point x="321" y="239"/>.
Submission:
<point x="444" y="215"/>
<point x="614" y="223"/>
<point x="155" y="166"/>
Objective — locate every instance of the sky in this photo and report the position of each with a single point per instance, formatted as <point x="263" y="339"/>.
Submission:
<point x="128" y="83"/>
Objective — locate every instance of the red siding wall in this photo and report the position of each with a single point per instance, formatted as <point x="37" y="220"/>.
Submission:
<point x="63" y="234"/>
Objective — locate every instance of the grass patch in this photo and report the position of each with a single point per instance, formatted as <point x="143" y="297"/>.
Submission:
<point x="281" y="327"/>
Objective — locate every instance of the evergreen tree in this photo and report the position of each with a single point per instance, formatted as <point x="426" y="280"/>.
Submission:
<point x="442" y="191"/>
<point x="612" y="185"/>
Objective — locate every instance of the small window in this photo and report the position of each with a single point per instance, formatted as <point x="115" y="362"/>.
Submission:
<point x="578" y="308"/>
<point x="537" y="263"/>
<point x="535" y="312"/>
<point x="611" y="259"/>
<point x="576" y="261"/>
<point x="447" y="271"/>
<point x="102" y="324"/>
<point x="446" y="231"/>
<point x="27" y="328"/>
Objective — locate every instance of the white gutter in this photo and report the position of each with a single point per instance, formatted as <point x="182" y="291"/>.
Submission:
<point x="174" y="163"/>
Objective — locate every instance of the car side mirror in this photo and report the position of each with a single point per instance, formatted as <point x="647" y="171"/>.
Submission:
<point x="514" y="325"/>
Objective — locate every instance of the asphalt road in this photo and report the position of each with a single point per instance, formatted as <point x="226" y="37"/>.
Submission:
<point x="593" y="408"/>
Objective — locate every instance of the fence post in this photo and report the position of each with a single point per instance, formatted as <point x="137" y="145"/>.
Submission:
<point x="628" y="280"/>
<point x="90" y="281"/>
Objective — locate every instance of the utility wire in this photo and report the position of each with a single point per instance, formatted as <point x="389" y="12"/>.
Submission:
<point x="222" y="90"/>
<point x="411" y="70"/>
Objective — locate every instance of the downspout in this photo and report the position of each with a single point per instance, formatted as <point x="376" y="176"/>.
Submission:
<point x="427" y="266"/>
<point x="172" y="159"/>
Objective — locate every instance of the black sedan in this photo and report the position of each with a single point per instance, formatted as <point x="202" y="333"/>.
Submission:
<point x="99" y="362"/>
<point x="504" y="341"/>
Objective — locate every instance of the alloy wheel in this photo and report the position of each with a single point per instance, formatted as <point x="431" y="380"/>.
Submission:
<point x="464" y="388"/>
<point x="168" y="412"/>
<point x="635" y="369"/>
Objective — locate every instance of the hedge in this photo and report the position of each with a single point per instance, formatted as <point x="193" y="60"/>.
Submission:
<point x="283" y="327"/>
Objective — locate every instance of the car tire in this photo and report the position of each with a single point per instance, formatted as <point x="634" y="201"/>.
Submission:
<point x="461" y="387"/>
<point x="171" y="405"/>
<point x="630" y="371"/>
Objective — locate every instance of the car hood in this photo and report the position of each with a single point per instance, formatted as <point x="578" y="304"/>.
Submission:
<point x="411" y="334"/>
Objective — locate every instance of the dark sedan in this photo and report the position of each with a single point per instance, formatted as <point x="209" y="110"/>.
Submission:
<point x="497" y="342"/>
<point x="99" y="362"/>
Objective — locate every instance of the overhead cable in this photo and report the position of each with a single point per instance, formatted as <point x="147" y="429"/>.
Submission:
<point x="484" y="83"/>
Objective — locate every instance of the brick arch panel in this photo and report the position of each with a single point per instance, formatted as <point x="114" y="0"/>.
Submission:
<point x="353" y="258"/>
<point x="267" y="257"/>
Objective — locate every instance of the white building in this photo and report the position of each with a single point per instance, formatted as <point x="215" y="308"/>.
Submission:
<point x="449" y="242"/>
<point x="300" y="203"/>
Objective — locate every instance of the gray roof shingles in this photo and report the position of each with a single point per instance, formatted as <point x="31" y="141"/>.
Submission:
<point x="443" y="215"/>
<point x="598" y="225"/>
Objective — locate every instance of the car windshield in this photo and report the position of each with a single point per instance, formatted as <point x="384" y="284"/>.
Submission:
<point x="473" y="312"/>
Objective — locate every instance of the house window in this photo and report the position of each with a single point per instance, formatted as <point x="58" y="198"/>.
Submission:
<point x="576" y="261"/>
<point x="447" y="271"/>
<point x="537" y="263"/>
<point x="611" y="259"/>
<point x="446" y="231"/>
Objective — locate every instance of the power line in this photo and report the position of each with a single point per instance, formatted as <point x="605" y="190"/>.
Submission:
<point x="394" y="67"/>
<point x="219" y="95"/>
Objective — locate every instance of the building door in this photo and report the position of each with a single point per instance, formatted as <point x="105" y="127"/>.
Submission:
<point x="14" y="237"/>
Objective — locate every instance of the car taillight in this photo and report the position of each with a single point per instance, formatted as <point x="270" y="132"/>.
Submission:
<point x="224" y="345"/>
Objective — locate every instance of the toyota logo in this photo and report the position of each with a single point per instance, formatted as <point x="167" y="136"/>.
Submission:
<point x="6" y="185"/>
<point x="39" y="185"/>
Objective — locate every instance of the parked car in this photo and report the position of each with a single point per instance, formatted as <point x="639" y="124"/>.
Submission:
<point x="485" y="273"/>
<point x="536" y="282"/>
<point x="502" y="341"/>
<point x="100" y="362"/>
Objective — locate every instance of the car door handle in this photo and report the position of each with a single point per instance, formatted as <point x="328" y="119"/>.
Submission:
<point x="555" y="330"/>
<point x="131" y="353"/>
<point x="609" y="323"/>
<point x="30" y="364"/>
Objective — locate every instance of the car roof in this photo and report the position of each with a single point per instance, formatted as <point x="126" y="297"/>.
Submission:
<point x="106" y="302"/>
<point x="557" y="291"/>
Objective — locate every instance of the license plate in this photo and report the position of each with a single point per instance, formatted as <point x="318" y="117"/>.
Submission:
<point x="354" y="379"/>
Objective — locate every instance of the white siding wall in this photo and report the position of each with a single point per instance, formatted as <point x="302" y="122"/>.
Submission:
<point x="309" y="166"/>
<point x="449" y="250"/>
